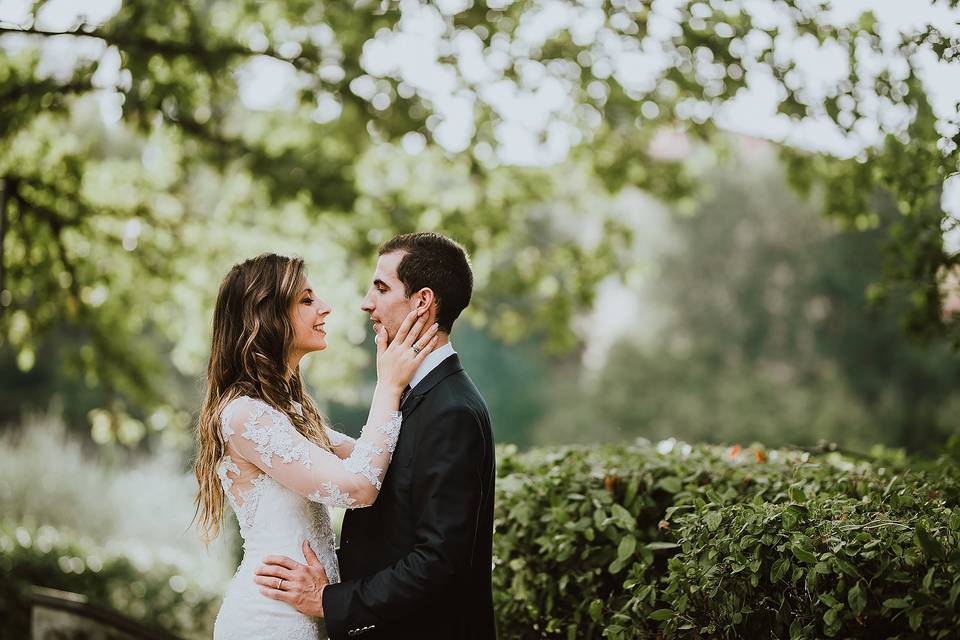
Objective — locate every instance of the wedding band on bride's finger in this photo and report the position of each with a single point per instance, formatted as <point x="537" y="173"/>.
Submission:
<point x="279" y="584"/>
<point x="417" y="349"/>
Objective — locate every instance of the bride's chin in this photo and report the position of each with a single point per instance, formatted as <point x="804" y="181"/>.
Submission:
<point x="317" y="346"/>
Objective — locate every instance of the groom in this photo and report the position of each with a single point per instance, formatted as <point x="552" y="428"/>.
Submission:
<point x="417" y="563"/>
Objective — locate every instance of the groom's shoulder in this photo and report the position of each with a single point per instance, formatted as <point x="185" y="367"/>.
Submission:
<point x="457" y="396"/>
<point x="458" y="389"/>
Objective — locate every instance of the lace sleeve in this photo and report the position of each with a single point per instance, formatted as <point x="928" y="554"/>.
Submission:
<point x="265" y="437"/>
<point x="341" y="443"/>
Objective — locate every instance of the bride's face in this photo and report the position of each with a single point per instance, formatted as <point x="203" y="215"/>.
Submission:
<point x="308" y="316"/>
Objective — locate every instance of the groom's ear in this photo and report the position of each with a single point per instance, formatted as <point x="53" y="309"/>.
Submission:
<point x="424" y="298"/>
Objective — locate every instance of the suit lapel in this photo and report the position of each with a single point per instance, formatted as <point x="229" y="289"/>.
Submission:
<point x="442" y="371"/>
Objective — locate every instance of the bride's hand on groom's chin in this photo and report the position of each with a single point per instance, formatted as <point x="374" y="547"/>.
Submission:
<point x="299" y="585"/>
<point x="399" y="359"/>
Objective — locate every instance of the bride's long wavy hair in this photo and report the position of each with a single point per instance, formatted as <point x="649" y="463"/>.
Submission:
<point x="252" y="338"/>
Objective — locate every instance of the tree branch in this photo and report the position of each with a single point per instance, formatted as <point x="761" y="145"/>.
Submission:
<point x="46" y="86"/>
<point x="83" y="209"/>
<point x="56" y="223"/>
<point x="165" y="47"/>
<point x="101" y="341"/>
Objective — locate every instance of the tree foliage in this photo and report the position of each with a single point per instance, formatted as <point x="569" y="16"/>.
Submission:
<point x="118" y="233"/>
<point x="768" y="336"/>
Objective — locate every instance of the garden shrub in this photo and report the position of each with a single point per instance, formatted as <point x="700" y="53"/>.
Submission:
<point x="130" y="581"/>
<point x="630" y="542"/>
<point x="680" y="541"/>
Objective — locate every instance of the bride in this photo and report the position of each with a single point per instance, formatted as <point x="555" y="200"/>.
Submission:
<point x="265" y="447"/>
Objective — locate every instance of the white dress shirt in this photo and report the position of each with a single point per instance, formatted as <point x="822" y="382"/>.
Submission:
<point x="431" y="362"/>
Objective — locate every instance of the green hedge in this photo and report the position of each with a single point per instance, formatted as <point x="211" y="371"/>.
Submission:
<point x="644" y="541"/>
<point x="674" y="541"/>
<point x="130" y="581"/>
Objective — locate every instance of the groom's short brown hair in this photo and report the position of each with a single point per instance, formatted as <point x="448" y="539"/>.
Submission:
<point x="438" y="263"/>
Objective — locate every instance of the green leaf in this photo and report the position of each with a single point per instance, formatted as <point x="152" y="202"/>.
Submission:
<point x="930" y="545"/>
<point x="670" y="484"/>
<point x="626" y="548"/>
<point x="915" y="618"/>
<point x="895" y="603"/>
<point x="829" y="600"/>
<point x="830" y="617"/>
<point x="846" y="567"/>
<point x="789" y="519"/>
<point x="596" y="610"/>
<point x="857" y="599"/>
<point x="868" y="21"/>
<point x="623" y="517"/>
<point x="928" y="579"/>
<point x="797" y="629"/>
<point x="713" y="520"/>
<point x="955" y="520"/>
<point x="954" y="593"/>
<point x="802" y="554"/>
<point x="613" y="632"/>
<point x="632" y="488"/>
<point x="779" y="569"/>
<point x="659" y="545"/>
<point x="797" y="494"/>
<point x="600" y="519"/>
<point x="661" y="614"/>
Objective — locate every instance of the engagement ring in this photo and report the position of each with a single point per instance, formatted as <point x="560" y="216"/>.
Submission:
<point x="279" y="583"/>
<point x="416" y="349"/>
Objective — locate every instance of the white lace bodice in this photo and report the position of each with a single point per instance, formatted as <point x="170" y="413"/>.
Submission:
<point x="280" y="484"/>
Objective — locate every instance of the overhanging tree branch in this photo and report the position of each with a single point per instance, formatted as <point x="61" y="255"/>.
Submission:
<point x="165" y="47"/>
<point x="101" y="340"/>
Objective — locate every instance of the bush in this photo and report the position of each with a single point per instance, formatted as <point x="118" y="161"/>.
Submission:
<point x="110" y="525"/>
<point x="128" y="580"/>
<point x="643" y="541"/>
<point x="678" y="541"/>
<point x="51" y="477"/>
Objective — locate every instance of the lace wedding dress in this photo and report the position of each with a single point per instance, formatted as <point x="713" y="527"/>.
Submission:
<point x="280" y="485"/>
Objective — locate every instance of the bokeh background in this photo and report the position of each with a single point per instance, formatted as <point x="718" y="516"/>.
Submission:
<point x="720" y="221"/>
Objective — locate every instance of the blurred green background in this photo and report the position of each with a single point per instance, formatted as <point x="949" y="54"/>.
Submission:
<point x="645" y="266"/>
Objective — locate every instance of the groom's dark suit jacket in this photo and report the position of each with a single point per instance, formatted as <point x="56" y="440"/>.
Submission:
<point x="417" y="563"/>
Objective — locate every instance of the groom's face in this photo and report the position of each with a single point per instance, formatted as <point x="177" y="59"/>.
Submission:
<point x="386" y="300"/>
